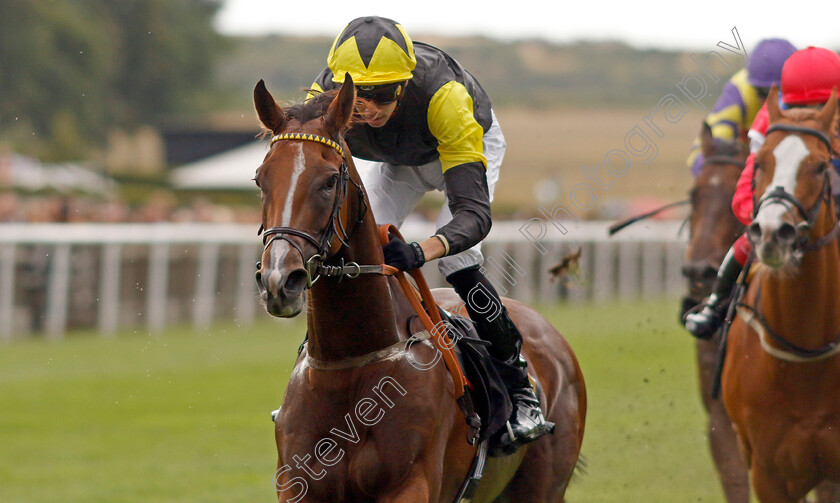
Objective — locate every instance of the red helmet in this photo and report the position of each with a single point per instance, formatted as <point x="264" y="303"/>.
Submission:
<point x="809" y="75"/>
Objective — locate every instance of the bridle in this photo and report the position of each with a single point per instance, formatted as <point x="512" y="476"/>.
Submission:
<point x="314" y="265"/>
<point x="786" y="350"/>
<point x="722" y="159"/>
<point x="780" y="196"/>
<point x="712" y="160"/>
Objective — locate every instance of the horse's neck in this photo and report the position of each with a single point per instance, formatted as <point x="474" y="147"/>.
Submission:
<point x="352" y="317"/>
<point x="803" y="305"/>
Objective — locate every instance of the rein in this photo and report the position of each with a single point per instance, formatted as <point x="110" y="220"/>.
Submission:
<point x="786" y="350"/>
<point x="315" y="266"/>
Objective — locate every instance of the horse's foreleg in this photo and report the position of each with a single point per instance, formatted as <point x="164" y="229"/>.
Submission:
<point x="770" y="488"/>
<point x="416" y="488"/>
<point x="724" y="446"/>
<point x="723" y="443"/>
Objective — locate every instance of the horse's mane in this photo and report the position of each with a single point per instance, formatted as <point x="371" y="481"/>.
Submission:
<point x="801" y="114"/>
<point x="729" y="148"/>
<point x="316" y="107"/>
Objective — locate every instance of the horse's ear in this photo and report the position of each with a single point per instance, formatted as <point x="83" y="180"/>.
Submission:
<point x="826" y="115"/>
<point x="341" y="109"/>
<point x="773" y="110"/>
<point x="707" y="141"/>
<point x="270" y="113"/>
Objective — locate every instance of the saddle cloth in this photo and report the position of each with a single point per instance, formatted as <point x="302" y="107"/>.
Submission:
<point x="484" y="373"/>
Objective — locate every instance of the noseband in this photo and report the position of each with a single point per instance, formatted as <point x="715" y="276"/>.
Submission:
<point x="780" y="196"/>
<point x="314" y="265"/>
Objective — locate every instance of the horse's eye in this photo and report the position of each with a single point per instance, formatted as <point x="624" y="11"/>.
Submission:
<point x="331" y="181"/>
<point x="821" y="168"/>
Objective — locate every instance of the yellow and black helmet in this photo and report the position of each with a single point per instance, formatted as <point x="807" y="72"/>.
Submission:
<point x="374" y="50"/>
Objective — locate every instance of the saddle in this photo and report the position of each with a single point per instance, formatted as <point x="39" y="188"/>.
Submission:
<point x="485" y="385"/>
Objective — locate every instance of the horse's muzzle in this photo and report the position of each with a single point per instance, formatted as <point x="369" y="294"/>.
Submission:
<point x="701" y="275"/>
<point x="281" y="293"/>
<point x="775" y="244"/>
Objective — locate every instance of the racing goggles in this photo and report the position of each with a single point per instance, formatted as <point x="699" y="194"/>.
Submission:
<point x="381" y="95"/>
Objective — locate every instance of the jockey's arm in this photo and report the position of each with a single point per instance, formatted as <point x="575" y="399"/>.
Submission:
<point x="469" y="203"/>
<point x="742" y="201"/>
<point x="460" y="145"/>
<point x="731" y="115"/>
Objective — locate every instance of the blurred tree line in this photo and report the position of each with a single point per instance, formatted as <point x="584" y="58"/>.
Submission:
<point x="534" y="73"/>
<point x="70" y="70"/>
<point x="73" y="71"/>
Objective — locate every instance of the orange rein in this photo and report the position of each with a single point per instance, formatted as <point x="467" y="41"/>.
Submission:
<point x="429" y="317"/>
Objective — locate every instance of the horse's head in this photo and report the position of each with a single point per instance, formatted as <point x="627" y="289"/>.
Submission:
<point x="792" y="190"/>
<point x="303" y="183"/>
<point x="713" y="226"/>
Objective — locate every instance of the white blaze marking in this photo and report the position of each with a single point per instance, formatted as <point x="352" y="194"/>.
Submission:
<point x="789" y="154"/>
<point x="280" y="247"/>
<point x="278" y="250"/>
<point x="286" y="216"/>
<point x="714" y="181"/>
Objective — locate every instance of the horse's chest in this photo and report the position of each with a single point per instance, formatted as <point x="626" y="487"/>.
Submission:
<point x="348" y="450"/>
<point x="342" y="472"/>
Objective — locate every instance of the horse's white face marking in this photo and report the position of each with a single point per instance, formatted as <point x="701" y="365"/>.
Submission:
<point x="300" y="164"/>
<point x="715" y="181"/>
<point x="789" y="154"/>
<point x="280" y="247"/>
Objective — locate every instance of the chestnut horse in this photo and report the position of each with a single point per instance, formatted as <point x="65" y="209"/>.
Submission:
<point x="781" y="377"/>
<point x="360" y="422"/>
<point x="713" y="229"/>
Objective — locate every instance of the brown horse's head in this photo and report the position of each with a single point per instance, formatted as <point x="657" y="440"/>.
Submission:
<point x="303" y="182"/>
<point x="792" y="182"/>
<point x="713" y="226"/>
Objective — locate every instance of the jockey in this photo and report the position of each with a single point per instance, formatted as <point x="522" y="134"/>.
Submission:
<point x="743" y="95"/>
<point x="434" y="128"/>
<point x="808" y="78"/>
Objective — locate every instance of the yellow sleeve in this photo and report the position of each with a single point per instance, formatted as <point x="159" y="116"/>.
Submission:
<point x="452" y="122"/>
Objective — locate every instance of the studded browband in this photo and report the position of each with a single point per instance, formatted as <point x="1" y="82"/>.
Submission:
<point x="309" y="137"/>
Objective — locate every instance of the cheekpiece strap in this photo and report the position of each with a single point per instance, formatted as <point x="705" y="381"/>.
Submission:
<point x="308" y="137"/>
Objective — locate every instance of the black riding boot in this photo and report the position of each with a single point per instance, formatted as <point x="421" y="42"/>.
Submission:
<point x="705" y="323"/>
<point x="481" y="300"/>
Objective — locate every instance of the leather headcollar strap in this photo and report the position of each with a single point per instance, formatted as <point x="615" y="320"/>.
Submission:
<point x="790" y="128"/>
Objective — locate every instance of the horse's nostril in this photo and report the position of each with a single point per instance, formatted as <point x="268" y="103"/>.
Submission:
<point x="699" y="271"/>
<point x="260" y="286"/>
<point x="709" y="273"/>
<point x="786" y="233"/>
<point x="294" y="283"/>
<point x="754" y="231"/>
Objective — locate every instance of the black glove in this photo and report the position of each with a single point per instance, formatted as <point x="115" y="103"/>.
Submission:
<point x="404" y="256"/>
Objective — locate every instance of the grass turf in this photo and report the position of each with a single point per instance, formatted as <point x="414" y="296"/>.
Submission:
<point x="183" y="416"/>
